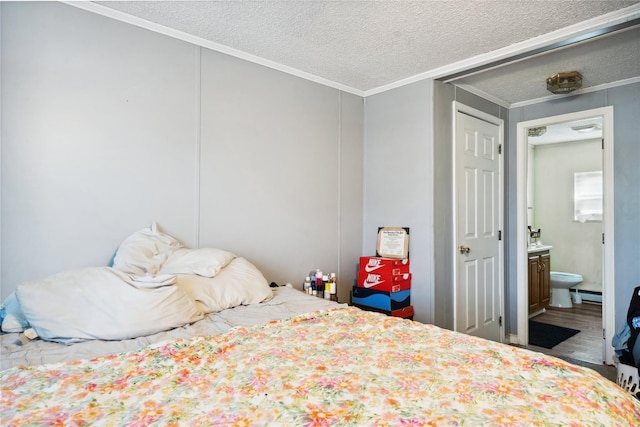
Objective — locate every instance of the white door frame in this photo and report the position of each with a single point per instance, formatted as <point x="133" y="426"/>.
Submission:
<point x="608" y="286"/>
<point x="458" y="107"/>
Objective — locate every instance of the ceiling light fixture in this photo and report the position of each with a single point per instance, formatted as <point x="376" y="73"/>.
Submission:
<point x="537" y="131"/>
<point x="563" y="83"/>
<point x="585" y="128"/>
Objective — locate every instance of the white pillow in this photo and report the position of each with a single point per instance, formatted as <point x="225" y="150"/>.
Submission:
<point x="205" y="262"/>
<point x="145" y="251"/>
<point x="103" y="303"/>
<point x="13" y="319"/>
<point x="239" y="283"/>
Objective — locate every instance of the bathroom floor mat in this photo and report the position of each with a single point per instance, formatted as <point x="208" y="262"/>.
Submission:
<point x="548" y="336"/>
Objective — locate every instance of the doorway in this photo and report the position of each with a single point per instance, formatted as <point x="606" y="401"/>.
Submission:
<point x="606" y="116"/>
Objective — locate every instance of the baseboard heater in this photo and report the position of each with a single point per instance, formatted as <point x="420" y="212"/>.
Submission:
<point x="590" y="296"/>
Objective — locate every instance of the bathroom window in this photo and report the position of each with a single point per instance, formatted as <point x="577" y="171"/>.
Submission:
<point x="587" y="196"/>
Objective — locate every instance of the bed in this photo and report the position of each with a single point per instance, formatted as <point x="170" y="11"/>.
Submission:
<point x="287" y="358"/>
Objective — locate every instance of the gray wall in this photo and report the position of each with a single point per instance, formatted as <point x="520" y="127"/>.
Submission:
<point x="107" y="127"/>
<point x="99" y="131"/>
<point x="444" y="95"/>
<point x="626" y="103"/>
<point x="398" y="190"/>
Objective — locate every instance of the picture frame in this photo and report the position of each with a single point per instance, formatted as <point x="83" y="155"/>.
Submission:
<point x="393" y="242"/>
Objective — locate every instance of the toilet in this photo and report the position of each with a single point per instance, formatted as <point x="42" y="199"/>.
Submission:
<point x="561" y="282"/>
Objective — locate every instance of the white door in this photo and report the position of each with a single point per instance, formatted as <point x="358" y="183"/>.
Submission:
<point x="478" y="251"/>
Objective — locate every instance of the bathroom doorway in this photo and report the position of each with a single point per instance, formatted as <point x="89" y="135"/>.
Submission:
<point x="569" y="148"/>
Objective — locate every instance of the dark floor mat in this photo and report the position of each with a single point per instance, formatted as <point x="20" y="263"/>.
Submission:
<point x="548" y="336"/>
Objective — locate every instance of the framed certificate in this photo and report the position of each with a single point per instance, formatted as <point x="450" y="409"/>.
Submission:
<point x="393" y="242"/>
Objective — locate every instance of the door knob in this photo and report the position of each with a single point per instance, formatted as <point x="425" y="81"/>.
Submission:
<point x="464" y="250"/>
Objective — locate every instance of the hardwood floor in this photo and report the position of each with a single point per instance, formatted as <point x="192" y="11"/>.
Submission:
<point x="587" y="344"/>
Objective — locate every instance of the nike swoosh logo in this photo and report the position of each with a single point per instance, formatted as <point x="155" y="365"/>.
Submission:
<point x="369" y="269"/>
<point x="370" y="284"/>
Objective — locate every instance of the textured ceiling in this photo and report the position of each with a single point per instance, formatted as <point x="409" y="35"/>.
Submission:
<point x="608" y="59"/>
<point x="366" y="45"/>
<point x="563" y="132"/>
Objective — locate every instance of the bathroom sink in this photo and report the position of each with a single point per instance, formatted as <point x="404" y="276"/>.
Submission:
<point x="538" y="248"/>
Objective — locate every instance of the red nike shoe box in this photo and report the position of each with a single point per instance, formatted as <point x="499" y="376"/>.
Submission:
<point x="384" y="282"/>
<point x="388" y="266"/>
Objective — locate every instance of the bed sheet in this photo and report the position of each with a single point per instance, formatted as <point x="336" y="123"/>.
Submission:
<point x="341" y="366"/>
<point x="285" y="303"/>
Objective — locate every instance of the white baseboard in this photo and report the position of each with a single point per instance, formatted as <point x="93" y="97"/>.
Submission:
<point x="513" y="339"/>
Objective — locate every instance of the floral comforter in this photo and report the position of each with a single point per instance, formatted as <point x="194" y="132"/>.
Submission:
<point x="340" y="366"/>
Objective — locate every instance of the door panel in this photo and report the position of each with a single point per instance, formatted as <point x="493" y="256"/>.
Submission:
<point x="470" y="207"/>
<point x="545" y="280"/>
<point x="489" y="215"/>
<point x="534" y="283"/>
<point x="489" y="291"/>
<point x="470" y="296"/>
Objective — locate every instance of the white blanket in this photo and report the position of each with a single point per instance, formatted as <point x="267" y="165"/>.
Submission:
<point x="103" y="303"/>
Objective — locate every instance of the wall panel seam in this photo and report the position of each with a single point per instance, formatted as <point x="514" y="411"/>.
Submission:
<point x="198" y="144"/>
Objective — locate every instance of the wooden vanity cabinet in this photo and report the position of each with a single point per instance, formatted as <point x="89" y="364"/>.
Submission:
<point x="539" y="280"/>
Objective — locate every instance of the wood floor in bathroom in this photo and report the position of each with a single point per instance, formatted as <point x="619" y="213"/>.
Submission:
<point x="587" y="318"/>
<point x="585" y="346"/>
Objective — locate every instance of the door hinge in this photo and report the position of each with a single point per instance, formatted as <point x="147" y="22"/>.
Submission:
<point x="604" y="334"/>
<point x="499" y="234"/>
<point x="500" y="321"/>
<point x="603" y="238"/>
<point x="500" y="148"/>
<point x="603" y="143"/>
